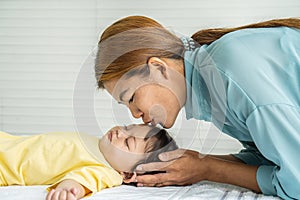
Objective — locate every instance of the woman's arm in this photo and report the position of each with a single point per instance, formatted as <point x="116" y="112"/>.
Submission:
<point x="232" y="172"/>
<point x="67" y="189"/>
<point x="184" y="167"/>
<point x="227" y="157"/>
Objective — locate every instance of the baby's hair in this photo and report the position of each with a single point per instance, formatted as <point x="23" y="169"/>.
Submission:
<point x="163" y="142"/>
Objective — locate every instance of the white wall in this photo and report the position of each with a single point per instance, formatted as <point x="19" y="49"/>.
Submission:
<point x="43" y="45"/>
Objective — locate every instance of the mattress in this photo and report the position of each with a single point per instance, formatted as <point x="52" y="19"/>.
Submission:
<point x="202" y="190"/>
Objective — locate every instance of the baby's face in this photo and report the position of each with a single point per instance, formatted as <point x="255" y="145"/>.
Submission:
<point x="124" y="146"/>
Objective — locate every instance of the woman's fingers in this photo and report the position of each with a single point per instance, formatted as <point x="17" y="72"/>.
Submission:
<point x="168" y="159"/>
<point x="171" y="155"/>
<point x="185" y="167"/>
<point x="152" y="167"/>
<point x="157" y="180"/>
<point x="152" y="180"/>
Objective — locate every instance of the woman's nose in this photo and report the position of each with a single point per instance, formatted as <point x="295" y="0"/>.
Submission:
<point x="135" y="112"/>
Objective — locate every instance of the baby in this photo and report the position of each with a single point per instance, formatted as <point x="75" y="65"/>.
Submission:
<point x="75" y="164"/>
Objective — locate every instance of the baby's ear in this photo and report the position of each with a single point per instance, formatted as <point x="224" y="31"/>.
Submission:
<point x="128" y="177"/>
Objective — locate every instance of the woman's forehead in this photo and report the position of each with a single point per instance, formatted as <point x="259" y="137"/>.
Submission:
<point x="120" y="87"/>
<point x="110" y="85"/>
<point x="116" y="87"/>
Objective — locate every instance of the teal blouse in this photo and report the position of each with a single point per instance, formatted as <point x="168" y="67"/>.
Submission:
<point x="247" y="83"/>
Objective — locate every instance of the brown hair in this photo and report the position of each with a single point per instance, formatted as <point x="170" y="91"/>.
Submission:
<point x="127" y="44"/>
<point x="208" y="36"/>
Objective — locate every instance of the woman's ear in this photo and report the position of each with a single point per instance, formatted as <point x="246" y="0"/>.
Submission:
<point x="128" y="177"/>
<point x="158" y="67"/>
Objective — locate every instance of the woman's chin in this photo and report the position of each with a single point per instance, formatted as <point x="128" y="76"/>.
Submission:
<point x="167" y="124"/>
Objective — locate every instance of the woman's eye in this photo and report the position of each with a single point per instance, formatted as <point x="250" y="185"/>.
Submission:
<point x="131" y="99"/>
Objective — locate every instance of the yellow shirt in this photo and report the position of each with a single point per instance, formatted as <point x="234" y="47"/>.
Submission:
<point x="50" y="158"/>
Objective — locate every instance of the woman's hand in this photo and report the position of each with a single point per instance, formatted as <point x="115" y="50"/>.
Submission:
<point x="182" y="167"/>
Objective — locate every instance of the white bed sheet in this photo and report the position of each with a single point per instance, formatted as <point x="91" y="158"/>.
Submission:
<point x="202" y="190"/>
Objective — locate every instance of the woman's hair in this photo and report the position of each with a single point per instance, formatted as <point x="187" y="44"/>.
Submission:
<point x="161" y="142"/>
<point x="127" y="44"/>
<point x="207" y="36"/>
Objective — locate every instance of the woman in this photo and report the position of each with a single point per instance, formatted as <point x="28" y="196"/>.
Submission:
<point x="245" y="80"/>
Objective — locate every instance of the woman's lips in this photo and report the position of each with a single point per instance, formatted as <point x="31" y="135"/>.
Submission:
<point x="153" y="123"/>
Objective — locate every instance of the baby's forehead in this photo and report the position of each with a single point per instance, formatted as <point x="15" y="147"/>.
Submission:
<point x="153" y="131"/>
<point x="144" y="130"/>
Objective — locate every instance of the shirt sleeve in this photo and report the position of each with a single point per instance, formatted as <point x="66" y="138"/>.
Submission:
<point x="93" y="178"/>
<point x="251" y="155"/>
<point x="275" y="130"/>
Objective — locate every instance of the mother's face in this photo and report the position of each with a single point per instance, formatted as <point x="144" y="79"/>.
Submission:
<point x="157" y="99"/>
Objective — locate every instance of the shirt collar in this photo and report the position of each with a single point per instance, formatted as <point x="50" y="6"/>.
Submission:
<point x="197" y="102"/>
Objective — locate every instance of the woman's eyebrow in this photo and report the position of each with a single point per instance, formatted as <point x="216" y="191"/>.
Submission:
<point x="121" y="96"/>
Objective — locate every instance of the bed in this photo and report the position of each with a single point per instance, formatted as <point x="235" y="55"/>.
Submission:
<point x="202" y="190"/>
